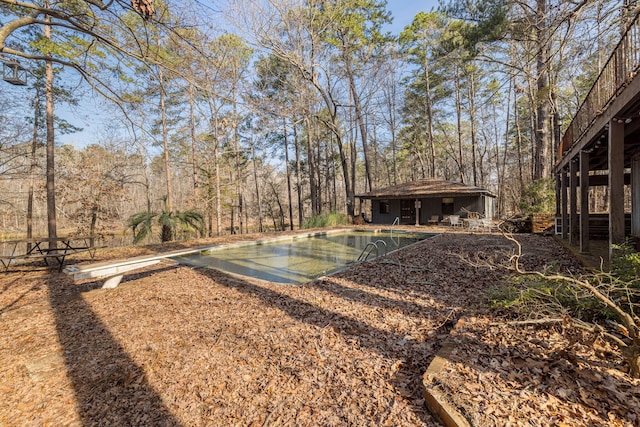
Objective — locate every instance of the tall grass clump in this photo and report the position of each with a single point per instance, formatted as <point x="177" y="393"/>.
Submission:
<point x="331" y="219"/>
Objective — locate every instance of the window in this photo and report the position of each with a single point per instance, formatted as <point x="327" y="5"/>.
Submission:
<point x="384" y="206"/>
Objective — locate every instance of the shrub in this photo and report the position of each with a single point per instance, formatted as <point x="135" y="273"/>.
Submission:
<point x="539" y="196"/>
<point x="604" y="304"/>
<point x="331" y="219"/>
<point x="626" y="264"/>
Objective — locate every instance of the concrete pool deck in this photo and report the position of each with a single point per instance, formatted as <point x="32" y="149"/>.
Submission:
<point x="113" y="271"/>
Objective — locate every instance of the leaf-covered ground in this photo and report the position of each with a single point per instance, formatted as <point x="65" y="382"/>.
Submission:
<point x="174" y="345"/>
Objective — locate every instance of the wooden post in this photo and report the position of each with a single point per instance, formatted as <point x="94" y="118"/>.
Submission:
<point x="563" y="203"/>
<point x="584" y="201"/>
<point x="635" y="196"/>
<point x="558" y="187"/>
<point x="573" y="201"/>
<point x="616" y="184"/>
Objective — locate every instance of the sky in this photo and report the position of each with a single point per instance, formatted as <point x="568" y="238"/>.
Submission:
<point x="87" y="115"/>
<point x="403" y="12"/>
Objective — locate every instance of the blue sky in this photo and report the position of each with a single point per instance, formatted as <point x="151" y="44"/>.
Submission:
<point x="403" y="11"/>
<point x="88" y="115"/>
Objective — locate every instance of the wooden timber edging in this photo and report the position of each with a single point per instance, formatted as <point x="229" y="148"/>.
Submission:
<point x="436" y="402"/>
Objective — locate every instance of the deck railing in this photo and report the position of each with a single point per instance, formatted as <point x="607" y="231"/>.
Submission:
<point x="617" y="73"/>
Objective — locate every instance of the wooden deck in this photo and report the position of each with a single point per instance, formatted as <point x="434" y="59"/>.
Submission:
<point x="601" y="146"/>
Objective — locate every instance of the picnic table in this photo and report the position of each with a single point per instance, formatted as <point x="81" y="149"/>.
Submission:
<point x="44" y="248"/>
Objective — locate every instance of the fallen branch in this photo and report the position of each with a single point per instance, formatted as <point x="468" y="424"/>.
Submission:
<point x="625" y="334"/>
<point x="446" y="319"/>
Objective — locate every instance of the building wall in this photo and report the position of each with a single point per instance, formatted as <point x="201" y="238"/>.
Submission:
<point x="429" y="207"/>
<point x="433" y="206"/>
<point x="379" y="217"/>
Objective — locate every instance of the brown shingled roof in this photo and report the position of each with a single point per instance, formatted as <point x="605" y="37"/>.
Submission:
<point x="428" y="187"/>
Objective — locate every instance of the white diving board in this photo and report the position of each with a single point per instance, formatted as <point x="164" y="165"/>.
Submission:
<point x="113" y="271"/>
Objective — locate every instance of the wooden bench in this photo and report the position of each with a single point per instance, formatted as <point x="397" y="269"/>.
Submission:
<point x="113" y="271"/>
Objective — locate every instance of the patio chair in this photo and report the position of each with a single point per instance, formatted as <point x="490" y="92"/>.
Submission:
<point x="474" y="223"/>
<point x="454" y="220"/>
<point x="435" y="220"/>
<point x="487" y="224"/>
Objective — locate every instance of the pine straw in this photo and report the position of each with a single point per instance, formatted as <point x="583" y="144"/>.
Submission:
<point x="174" y="345"/>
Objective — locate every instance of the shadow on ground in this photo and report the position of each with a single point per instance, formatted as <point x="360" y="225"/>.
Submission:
<point x="413" y="355"/>
<point x="110" y="389"/>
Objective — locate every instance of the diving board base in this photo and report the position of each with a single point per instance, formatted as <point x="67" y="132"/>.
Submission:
<point x="111" y="272"/>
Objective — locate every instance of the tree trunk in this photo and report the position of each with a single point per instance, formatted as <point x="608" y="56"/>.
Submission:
<point x="192" y="129"/>
<point x="32" y="167"/>
<point x="345" y="175"/>
<point x="543" y="162"/>
<point x="236" y="142"/>
<point x="318" y="168"/>
<point x="533" y="152"/>
<point x="298" y="176"/>
<point x="280" y="209"/>
<point x="312" y="168"/>
<point x="92" y="226"/>
<point x="392" y="121"/>
<point x="165" y="142"/>
<point x="429" y="107"/>
<point x="333" y="177"/>
<point x="359" y="119"/>
<point x="472" y="122"/>
<point x="166" y="235"/>
<point x="516" y="119"/>
<point x="459" y="123"/>
<point x="376" y="156"/>
<point x="557" y="131"/>
<point x="255" y="178"/>
<point x="233" y="210"/>
<point x="51" y="190"/>
<point x="288" y="171"/>
<point x="501" y="166"/>
<point x="216" y="156"/>
<point x="353" y="151"/>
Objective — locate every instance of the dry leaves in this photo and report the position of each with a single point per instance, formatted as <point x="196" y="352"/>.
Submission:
<point x="180" y="346"/>
<point x="536" y="376"/>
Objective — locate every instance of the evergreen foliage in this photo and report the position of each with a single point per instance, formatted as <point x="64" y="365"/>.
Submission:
<point x="331" y="219"/>
<point x="171" y="222"/>
<point x="539" y="196"/>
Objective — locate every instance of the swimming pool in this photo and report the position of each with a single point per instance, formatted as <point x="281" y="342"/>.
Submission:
<point x="299" y="259"/>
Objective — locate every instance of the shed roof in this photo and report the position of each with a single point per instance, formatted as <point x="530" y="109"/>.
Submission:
<point x="428" y="187"/>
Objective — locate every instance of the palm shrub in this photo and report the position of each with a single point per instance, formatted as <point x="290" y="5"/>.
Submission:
<point x="141" y="223"/>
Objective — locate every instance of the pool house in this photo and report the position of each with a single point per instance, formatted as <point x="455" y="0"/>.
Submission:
<point x="421" y="201"/>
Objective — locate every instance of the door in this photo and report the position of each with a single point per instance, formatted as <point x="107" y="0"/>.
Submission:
<point x="408" y="212"/>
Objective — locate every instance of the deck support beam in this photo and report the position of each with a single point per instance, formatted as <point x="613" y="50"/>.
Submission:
<point x="558" y="185"/>
<point x="635" y="196"/>
<point x="573" y="202"/>
<point x="584" y="201"/>
<point x="616" y="184"/>
<point x="563" y="203"/>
